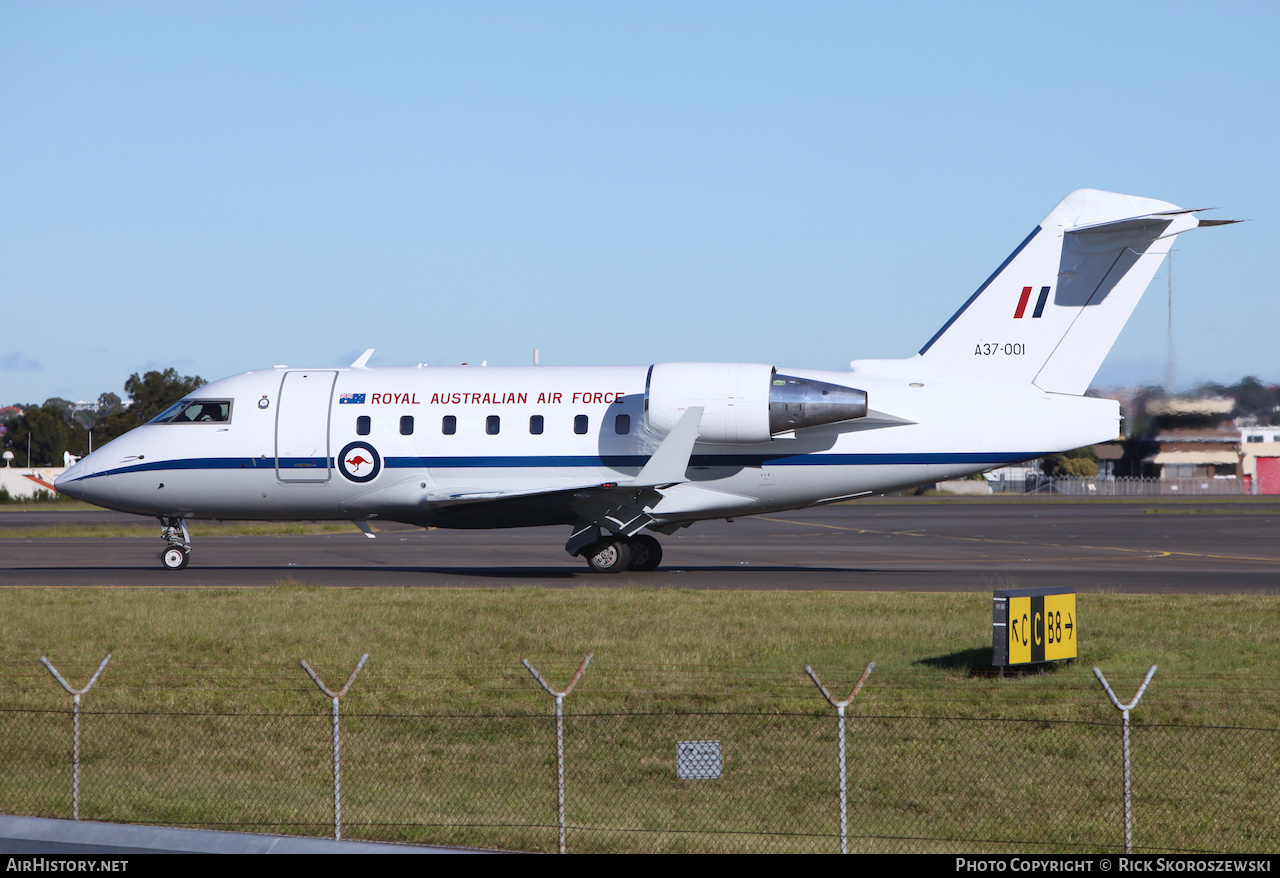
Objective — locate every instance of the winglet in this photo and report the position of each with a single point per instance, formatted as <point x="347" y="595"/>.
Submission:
<point x="362" y="360"/>
<point x="668" y="464"/>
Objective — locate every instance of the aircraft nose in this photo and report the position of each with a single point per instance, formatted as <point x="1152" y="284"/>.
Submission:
<point x="69" y="475"/>
<point x="78" y="482"/>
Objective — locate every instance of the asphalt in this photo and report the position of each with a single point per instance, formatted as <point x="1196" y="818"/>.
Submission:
<point x="74" y="842"/>
<point x="873" y="545"/>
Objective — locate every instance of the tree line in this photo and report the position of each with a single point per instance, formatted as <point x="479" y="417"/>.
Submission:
<point x="53" y="428"/>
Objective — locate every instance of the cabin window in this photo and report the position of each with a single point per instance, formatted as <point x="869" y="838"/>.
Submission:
<point x="622" y="425"/>
<point x="362" y="425"/>
<point x="449" y="425"/>
<point x="406" y="425"/>
<point x="535" y="425"/>
<point x="196" y="411"/>
<point x="580" y="425"/>
<point x="492" y="425"/>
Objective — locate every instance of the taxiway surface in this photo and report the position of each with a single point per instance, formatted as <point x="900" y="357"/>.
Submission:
<point x="891" y="545"/>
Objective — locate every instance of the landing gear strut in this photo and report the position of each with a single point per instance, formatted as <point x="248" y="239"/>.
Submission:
<point x="177" y="550"/>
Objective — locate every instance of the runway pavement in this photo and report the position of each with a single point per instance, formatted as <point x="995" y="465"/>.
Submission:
<point x="874" y="545"/>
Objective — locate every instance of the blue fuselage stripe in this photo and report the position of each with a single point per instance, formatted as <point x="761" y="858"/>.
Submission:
<point x="977" y="459"/>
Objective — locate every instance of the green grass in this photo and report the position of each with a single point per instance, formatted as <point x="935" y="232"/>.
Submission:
<point x="203" y="717"/>
<point x="655" y="648"/>
<point x="40" y="499"/>
<point x="45" y="503"/>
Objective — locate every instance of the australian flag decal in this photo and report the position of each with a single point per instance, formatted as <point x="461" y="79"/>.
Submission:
<point x="351" y="399"/>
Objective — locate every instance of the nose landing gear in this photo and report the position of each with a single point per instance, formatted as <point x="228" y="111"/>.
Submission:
<point x="177" y="550"/>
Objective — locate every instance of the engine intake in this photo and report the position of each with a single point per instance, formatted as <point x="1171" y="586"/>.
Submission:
<point x="744" y="403"/>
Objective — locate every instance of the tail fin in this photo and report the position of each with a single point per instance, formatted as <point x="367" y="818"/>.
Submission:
<point x="1050" y="314"/>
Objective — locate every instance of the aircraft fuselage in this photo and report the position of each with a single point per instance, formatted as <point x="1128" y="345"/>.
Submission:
<point x="395" y="443"/>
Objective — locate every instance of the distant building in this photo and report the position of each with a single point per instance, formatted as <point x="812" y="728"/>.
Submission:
<point x="24" y="483"/>
<point x="1191" y="438"/>
<point x="1260" y="459"/>
<point x="1109" y="456"/>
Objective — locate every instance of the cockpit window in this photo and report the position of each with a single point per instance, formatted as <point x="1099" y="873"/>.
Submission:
<point x="196" y="411"/>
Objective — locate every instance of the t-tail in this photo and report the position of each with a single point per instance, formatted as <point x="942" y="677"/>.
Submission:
<point x="1049" y="315"/>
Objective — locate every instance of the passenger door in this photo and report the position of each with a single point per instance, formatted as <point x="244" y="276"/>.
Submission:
<point x="302" y="426"/>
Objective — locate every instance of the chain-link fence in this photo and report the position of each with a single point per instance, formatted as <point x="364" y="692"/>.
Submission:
<point x="914" y="784"/>
<point x="1079" y="486"/>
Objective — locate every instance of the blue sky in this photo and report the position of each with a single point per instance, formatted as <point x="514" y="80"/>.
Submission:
<point x="224" y="186"/>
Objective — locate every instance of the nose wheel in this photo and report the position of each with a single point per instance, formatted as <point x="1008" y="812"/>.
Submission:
<point x="177" y="550"/>
<point x="175" y="557"/>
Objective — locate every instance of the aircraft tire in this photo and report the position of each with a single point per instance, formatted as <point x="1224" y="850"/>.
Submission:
<point x="175" y="557"/>
<point x="646" y="553"/>
<point x="608" y="556"/>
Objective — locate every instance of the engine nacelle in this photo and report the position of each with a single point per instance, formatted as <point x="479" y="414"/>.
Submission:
<point x="744" y="403"/>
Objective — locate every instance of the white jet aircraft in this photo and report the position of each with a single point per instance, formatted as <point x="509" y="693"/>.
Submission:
<point x="613" y="451"/>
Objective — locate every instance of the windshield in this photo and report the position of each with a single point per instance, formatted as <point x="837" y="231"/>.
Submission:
<point x="195" y="411"/>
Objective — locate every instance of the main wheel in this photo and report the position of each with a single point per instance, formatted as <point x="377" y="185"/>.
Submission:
<point x="175" y="557"/>
<point x="608" y="556"/>
<point x="646" y="553"/>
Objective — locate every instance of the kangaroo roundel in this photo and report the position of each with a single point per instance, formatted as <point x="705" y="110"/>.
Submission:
<point x="359" y="462"/>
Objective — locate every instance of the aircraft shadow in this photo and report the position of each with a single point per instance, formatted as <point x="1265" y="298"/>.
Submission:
<point x="572" y="572"/>
<point x="575" y="571"/>
<point x="976" y="662"/>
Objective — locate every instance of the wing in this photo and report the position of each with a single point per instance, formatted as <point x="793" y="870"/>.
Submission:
<point x="619" y="507"/>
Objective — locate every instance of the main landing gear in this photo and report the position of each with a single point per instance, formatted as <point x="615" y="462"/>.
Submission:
<point x="177" y="550"/>
<point x="615" y="554"/>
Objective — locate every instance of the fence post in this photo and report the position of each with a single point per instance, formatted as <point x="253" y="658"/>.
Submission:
<point x="75" y="727"/>
<point x="840" y="706"/>
<point x="337" y="763"/>
<point x="1124" y="719"/>
<point x="559" y="697"/>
